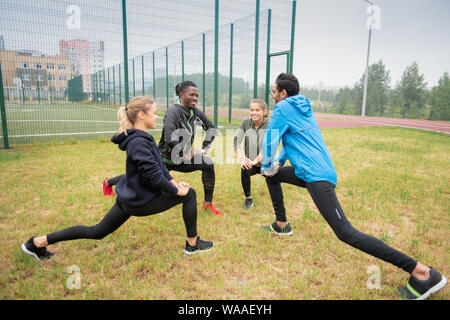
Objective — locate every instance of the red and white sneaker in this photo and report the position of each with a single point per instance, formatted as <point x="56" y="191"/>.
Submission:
<point x="107" y="190"/>
<point x="210" y="206"/>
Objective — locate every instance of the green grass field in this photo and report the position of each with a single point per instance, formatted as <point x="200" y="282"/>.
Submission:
<point x="392" y="183"/>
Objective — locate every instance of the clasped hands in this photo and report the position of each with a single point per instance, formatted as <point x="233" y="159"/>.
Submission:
<point x="183" y="187"/>
<point x="246" y="163"/>
<point x="275" y="168"/>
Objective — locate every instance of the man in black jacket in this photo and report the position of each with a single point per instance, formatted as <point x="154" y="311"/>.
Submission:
<point x="178" y="136"/>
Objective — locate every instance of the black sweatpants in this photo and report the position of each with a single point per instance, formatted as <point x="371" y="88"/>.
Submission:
<point x="245" y="179"/>
<point x="206" y="165"/>
<point x="324" y="197"/>
<point x="120" y="213"/>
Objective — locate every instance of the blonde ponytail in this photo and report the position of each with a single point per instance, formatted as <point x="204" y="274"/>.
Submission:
<point x="127" y="114"/>
<point x="125" y="123"/>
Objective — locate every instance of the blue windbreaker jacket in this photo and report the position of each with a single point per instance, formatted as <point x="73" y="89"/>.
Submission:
<point x="293" y="123"/>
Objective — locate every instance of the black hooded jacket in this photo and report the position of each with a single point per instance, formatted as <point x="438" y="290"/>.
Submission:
<point x="146" y="175"/>
<point x="179" y="129"/>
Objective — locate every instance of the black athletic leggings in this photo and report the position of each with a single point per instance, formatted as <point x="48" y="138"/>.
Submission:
<point x="245" y="179"/>
<point x="206" y="165"/>
<point x="324" y="197"/>
<point x="120" y="213"/>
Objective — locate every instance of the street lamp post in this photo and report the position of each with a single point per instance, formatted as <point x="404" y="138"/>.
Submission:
<point x="371" y="24"/>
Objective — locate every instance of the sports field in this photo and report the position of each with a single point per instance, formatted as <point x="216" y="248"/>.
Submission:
<point x="29" y="123"/>
<point x="44" y="122"/>
<point x="392" y="183"/>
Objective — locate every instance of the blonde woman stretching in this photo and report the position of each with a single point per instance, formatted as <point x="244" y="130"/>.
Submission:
<point x="147" y="189"/>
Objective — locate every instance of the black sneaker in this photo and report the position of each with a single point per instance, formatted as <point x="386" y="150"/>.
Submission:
<point x="275" y="228"/>
<point x="248" y="203"/>
<point x="421" y="289"/>
<point x="199" y="246"/>
<point x="39" y="253"/>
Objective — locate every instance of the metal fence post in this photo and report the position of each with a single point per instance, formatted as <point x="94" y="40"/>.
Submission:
<point x="134" y="81"/>
<point x="38" y="91"/>
<point x="255" y="72"/>
<point x="23" y="89"/>
<point x="104" y="87"/>
<point x="291" y="58"/>
<point x="97" y="79"/>
<point x="99" y="89"/>
<point x="92" y="87"/>
<point x="203" y="74"/>
<point x="153" y="75"/>
<point x="3" y="113"/>
<point x="125" y="51"/>
<point x="143" y="79"/>
<point x="114" y="84"/>
<point x="120" y="86"/>
<point x="269" y="26"/>
<point x="216" y="65"/>
<point x="230" y="96"/>
<point x="167" y="76"/>
<point x="182" y="60"/>
<point x="288" y="63"/>
<point x="109" y="89"/>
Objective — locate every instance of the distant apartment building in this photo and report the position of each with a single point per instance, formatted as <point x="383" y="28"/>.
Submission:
<point x="97" y="55"/>
<point x="79" y="53"/>
<point x="87" y="57"/>
<point x="36" y="71"/>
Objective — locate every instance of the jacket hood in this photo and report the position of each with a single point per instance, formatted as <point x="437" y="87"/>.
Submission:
<point x="301" y="103"/>
<point x="123" y="139"/>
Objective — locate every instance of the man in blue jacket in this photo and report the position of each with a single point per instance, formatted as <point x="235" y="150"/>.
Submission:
<point x="294" y="124"/>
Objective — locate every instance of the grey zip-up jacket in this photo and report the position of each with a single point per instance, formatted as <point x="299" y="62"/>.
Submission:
<point x="179" y="130"/>
<point x="253" y="138"/>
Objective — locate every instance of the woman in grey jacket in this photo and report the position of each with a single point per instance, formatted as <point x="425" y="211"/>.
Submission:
<point x="252" y="131"/>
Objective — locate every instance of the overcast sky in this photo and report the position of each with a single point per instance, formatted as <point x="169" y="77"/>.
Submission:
<point x="330" y="40"/>
<point x="332" y="37"/>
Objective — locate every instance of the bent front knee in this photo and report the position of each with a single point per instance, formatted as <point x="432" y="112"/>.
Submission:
<point x="191" y="194"/>
<point x="347" y="234"/>
<point x="97" y="234"/>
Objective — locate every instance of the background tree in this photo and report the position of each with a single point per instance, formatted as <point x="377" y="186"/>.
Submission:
<point x="378" y="85"/>
<point x="440" y="99"/>
<point x="342" y="103"/>
<point x="411" y="92"/>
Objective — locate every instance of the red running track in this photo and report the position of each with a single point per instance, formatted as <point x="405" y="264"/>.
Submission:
<point x="358" y="121"/>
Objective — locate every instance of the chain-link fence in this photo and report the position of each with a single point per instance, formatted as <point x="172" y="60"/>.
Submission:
<point x="63" y="71"/>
